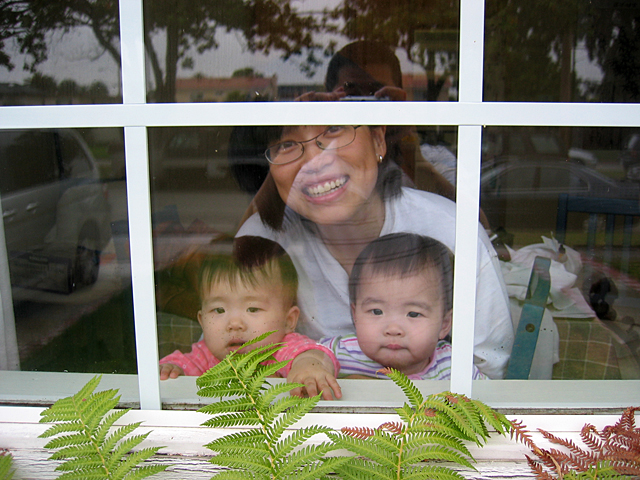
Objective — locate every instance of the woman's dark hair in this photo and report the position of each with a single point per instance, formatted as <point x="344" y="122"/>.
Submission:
<point x="404" y="254"/>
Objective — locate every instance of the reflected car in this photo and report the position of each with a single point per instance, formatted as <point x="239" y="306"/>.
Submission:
<point x="524" y="194"/>
<point x="196" y="149"/>
<point x="54" y="207"/>
<point x="630" y="158"/>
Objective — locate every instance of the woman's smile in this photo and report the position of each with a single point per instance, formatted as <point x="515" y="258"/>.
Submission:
<point x="325" y="188"/>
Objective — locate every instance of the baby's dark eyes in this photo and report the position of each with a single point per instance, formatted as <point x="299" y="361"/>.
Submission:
<point x="414" y="314"/>
<point x="253" y="309"/>
<point x="219" y="310"/>
<point x="376" y="311"/>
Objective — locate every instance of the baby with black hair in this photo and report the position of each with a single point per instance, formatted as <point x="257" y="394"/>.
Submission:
<point x="401" y="295"/>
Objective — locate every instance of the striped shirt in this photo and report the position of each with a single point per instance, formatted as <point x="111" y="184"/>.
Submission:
<point x="200" y="359"/>
<point x="354" y="362"/>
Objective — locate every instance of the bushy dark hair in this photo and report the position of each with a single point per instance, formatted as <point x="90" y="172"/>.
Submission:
<point x="254" y="261"/>
<point x="404" y="254"/>
<point x="360" y="54"/>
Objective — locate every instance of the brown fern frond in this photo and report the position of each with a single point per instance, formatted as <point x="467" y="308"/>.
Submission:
<point x="625" y="469"/>
<point x="591" y="438"/>
<point x="628" y="419"/>
<point x="430" y="412"/>
<point x="572" y="447"/>
<point x="537" y="469"/>
<point x="520" y="433"/>
<point x="393" y="427"/>
<point x="358" y="432"/>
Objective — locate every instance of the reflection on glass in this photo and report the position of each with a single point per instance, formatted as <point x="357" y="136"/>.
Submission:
<point x="60" y="54"/>
<point x="565" y="52"/>
<point x="577" y="206"/>
<point x="67" y="255"/>
<point x="323" y="208"/>
<point x="280" y="50"/>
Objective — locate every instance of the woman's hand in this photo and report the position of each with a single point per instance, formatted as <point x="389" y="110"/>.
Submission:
<point x="168" y="370"/>
<point x="314" y="369"/>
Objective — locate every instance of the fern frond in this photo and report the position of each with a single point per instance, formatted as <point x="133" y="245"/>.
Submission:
<point x="416" y="439"/>
<point x="368" y="449"/>
<point x="358" y="432"/>
<point x="296" y="411"/>
<point x="256" y="465"/>
<point x="408" y="387"/>
<point x="248" y="437"/>
<point x="297" y="438"/>
<point x="235" y="475"/>
<point x="236" y="419"/>
<point x="307" y="456"/>
<point x="6" y="465"/>
<point x="424" y="454"/>
<point x="430" y="472"/>
<point x="358" y="469"/>
<point x="316" y="470"/>
<point x="274" y="391"/>
<point x="290" y="409"/>
<point x="83" y="440"/>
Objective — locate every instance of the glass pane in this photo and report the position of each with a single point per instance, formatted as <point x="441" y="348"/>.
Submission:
<point x="55" y="53"/>
<point x="281" y="50"/>
<point x="578" y="207"/>
<point x="64" y="214"/>
<point x="209" y="181"/>
<point x="562" y="51"/>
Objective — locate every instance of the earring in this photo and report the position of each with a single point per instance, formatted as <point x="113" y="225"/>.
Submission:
<point x="379" y="158"/>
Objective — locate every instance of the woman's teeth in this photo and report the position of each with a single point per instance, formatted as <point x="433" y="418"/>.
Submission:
<point x="326" y="187"/>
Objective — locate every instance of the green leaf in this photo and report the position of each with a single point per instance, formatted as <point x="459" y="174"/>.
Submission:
<point x="6" y="464"/>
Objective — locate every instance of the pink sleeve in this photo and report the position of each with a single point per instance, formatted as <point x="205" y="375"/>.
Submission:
<point x="295" y="344"/>
<point x="195" y="363"/>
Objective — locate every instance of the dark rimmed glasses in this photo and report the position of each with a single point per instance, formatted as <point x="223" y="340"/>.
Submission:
<point x="335" y="136"/>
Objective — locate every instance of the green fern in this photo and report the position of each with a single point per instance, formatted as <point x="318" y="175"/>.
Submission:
<point x="6" y="462"/>
<point x="84" y="438"/>
<point x="264" y="450"/>
<point x="432" y="429"/>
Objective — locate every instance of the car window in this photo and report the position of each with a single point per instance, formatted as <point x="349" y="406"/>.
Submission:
<point x="27" y="160"/>
<point x="546" y="145"/>
<point x="72" y="157"/>
<point x="516" y="179"/>
<point x="560" y="179"/>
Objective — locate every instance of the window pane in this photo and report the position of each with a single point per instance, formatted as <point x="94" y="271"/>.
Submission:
<point x="64" y="210"/>
<point x="562" y="52"/>
<point x="51" y="55"/>
<point x="591" y="328"/>
<point x="281" y="50"/>
<point x="204" y="182"/>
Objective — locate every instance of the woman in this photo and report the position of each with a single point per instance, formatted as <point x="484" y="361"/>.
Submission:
<point x="329" y="193"/>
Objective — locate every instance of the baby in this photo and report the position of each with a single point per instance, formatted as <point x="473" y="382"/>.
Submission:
<point x="243" y="296"/>
<point x="401" y="294"/>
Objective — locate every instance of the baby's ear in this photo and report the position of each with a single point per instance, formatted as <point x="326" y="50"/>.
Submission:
<point x="292" y="319"/>
<point x="200" y="317"/>
<point x="446" y="324"/>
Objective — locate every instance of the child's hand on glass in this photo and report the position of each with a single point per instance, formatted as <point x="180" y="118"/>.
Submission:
<point x="315" y="371"/>
<point x="168" y="370"/>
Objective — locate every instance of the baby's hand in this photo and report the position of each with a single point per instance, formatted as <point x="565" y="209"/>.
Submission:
<point x="168" y="370"/>
<point x="314" y="370"/>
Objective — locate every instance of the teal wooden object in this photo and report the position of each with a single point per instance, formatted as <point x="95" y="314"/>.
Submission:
<point x="528" y="330"/>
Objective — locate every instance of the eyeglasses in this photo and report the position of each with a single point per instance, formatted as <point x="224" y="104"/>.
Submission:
<point x="334" y="137"/>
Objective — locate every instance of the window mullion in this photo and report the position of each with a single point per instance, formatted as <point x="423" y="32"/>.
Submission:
<point x="139" y="206"/>
<point x="467" y="197"/>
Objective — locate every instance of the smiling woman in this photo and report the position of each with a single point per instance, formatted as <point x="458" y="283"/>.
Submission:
<point x="334" y="199"/>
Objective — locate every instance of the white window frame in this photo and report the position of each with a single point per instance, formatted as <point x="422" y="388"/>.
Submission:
<point x="469" y="114"/>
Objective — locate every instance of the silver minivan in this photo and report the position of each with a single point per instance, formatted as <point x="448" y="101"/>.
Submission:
<point x="54" y="208"/>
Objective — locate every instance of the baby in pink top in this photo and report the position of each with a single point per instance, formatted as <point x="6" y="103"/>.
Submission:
<point x="243" y="296"/>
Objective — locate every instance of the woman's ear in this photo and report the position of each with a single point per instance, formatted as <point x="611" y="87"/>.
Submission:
<point x="446" y="325"/>
<point x="291" y="320"/>
<point x="378" y="136"/>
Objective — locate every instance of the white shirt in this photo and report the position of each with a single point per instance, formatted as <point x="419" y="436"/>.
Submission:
<point x="323" y="295"/>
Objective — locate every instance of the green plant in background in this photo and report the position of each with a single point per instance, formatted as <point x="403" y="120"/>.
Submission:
<point x="432" y="428"/>
<point x="6" y="462"/>
<point x="85" y="440"/>
<point x="264" y="451"/>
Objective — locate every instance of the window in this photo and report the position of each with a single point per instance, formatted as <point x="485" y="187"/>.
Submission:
<point x="180" y="189"/>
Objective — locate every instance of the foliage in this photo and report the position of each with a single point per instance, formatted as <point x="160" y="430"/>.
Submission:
<point x="612" y="452"/>
<point x="264" y="451"/>
<point x="6" y="461"/>
<point x="86" y="443"/>
<point x="432" y="429"/>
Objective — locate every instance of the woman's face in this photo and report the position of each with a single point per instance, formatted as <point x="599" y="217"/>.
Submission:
<point x="331" y="187"/>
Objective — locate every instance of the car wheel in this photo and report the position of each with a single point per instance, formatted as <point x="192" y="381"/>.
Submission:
<point x="86" y="265"/>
